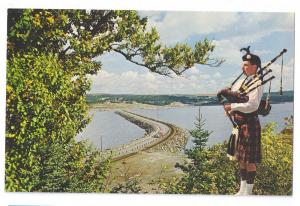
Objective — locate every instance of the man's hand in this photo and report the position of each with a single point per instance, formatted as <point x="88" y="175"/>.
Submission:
<point x="227" y="107"/>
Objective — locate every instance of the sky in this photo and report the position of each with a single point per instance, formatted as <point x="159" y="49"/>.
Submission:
<point x="266" y="32"/>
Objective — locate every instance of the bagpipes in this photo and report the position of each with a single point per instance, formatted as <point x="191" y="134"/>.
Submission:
<point x="240" y="95"/>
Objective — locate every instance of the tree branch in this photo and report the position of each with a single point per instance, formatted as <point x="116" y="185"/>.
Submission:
<point x="151" y="68"/>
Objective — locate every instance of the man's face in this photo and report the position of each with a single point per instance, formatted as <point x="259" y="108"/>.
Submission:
<point x="248" y="68"/>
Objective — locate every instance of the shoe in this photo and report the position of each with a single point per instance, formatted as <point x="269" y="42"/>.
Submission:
<point x="242" y="188"/>
<point x="249" y="188"/>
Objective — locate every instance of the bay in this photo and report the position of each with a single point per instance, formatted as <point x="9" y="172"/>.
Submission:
<point x="107" y="130"/>
<point x="114" y="130"/>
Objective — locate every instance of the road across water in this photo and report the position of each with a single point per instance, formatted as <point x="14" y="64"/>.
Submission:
<point x="157" y="132"/>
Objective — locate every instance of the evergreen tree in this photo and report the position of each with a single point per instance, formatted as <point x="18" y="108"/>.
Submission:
<point x="197" y="155"/>
<point x="199" y="134"/>
<point x="209" y="171"/>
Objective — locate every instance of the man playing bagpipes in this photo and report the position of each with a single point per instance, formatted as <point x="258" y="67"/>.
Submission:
<point x="245" y="103"/>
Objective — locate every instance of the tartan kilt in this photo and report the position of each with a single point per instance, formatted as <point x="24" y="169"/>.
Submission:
<point x="248" y="149"/>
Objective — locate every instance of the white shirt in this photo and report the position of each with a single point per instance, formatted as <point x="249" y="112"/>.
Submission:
<point x="254" y="98"/>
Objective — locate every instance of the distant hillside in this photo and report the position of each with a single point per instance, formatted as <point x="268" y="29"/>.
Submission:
<point x="288" y="96"/>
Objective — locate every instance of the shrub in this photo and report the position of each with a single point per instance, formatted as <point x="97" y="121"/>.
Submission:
<point x="275" y="173"/>
<point x="44" y="112"/>
<point x="209" y="171"/>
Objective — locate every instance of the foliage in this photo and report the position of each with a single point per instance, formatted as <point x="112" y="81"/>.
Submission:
<point x="205" y="174"/>
<point x="131" y="185"/>
<point x="41" y="154"/>
<point x="275" y="174"/>
<point x="79" y="36"/>
<point x="211" y="172"/>
<point x="128" y="182"/>
<point x="199" y="134"/>
<point x="50" y="54"/>
<point x="72" y="167"/>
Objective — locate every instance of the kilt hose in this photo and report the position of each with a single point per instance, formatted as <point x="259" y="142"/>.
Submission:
<point x="248" y="149"/>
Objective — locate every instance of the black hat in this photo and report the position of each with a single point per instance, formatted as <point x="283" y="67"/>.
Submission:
<point x="252" y="58"/>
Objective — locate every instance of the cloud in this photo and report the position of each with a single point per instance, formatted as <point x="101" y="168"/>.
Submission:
<point x="192" y="70"/>
<point x="233" y="29"/>
<point x="151" y="83"/>
<point x="267" y="21"/>
<point x="229" y="49"/>
<point x="129" y="75"/>
<point x="194" y="82"/>
<point x="178" y="26"/>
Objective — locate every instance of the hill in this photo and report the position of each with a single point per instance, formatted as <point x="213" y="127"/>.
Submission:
<point x="162" y="100"/>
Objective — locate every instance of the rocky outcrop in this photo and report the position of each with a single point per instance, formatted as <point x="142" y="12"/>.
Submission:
<point x="175" y="143"/>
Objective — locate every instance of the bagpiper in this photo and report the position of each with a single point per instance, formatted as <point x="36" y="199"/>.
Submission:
<point x="244" y="112"/>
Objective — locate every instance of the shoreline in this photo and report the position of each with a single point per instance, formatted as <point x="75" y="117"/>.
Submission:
<point x="129" y="106"/>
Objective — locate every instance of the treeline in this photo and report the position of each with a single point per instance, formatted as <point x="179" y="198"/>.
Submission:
<point x="288" y="96"/>
<point x="148" y="99"/>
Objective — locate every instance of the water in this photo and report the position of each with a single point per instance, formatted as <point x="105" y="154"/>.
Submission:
<point x="215" y="119"/>
<point x="108" y="130"/>
<point x="115" y="130"/>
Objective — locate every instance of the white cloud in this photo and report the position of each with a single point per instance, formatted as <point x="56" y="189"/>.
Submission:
<point x="229" y="48"/>
<point x="238" y="29"/>
<point x="194" y="83"/>
<point x="129" y="75"/>
<point x="192" y="70"/>
<point x="178" y="26"/>
<point x="271" y="22"/>
<point x="103" y="75"/>
<point x="149" y="77"/>
<point x="151" y="83"/>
